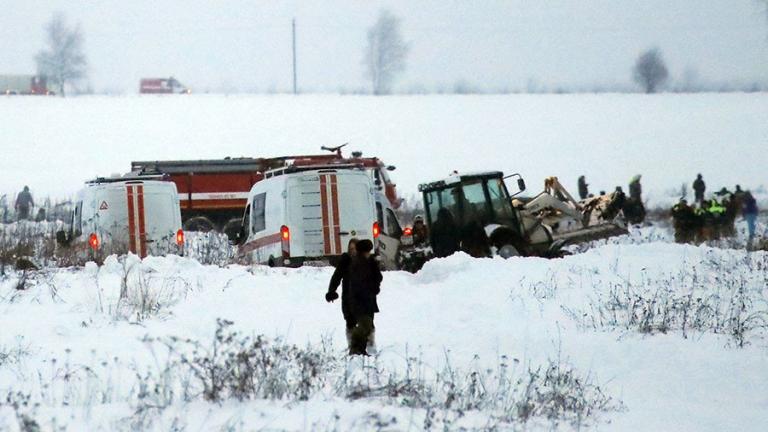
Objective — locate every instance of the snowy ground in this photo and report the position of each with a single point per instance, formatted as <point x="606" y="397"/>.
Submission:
<point x="633" y="333"/>
<point x="674" y="337"/>
<point x="608" y="137"/>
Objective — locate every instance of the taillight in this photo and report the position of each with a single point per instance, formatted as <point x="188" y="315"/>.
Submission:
<point x="285" y="241"/>
<point x="180" y="237"/>
<point x="285" y="233"/>
<point x="93" y="241"/>
<point x="376" y="230"/>
<point x="408" y="231"/>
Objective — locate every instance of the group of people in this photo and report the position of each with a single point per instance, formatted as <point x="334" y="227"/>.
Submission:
<point x="713" y="218"/>
<point x="632" y="206"/>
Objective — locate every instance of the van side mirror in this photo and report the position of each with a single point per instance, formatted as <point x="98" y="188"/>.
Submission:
<point x="521" y="184"/>
<point x="391" y="167"/>
<point x="62" y="238"/>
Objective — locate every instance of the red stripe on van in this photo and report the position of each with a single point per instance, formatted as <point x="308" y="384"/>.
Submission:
<point x="324" y="211"/>
<point x="260" y="242"/>
<point x="142" y="230"/>
<point x="131" y="220"/>
<point x="336" y="223"/>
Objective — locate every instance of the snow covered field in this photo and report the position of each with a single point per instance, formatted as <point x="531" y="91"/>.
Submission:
<point x="633" y="337"/>
<point x="632" y="333"/>
<point x="607" y="137"/>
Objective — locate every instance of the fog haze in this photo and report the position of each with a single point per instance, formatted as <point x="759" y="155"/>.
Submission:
<point x="245" y="45"/>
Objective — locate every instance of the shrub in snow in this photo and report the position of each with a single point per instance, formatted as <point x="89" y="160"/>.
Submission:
<point x="507" y="394"/>
<point x="209" y="248"/>
<point x="244" y="367"/>
<point x="721" y="297"/>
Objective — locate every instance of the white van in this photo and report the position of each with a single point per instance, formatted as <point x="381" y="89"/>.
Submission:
<point x="297" y="216"/>
<point x="121" y="215"/>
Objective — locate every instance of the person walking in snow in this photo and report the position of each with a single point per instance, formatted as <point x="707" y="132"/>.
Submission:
<point x="361" y="279"/>
<point x="583" y="188"/>
<point x="698" y="189"/>
<point x="340" y="277"/>
<point x="750" y="211"/>
<point x="24" y="203"/>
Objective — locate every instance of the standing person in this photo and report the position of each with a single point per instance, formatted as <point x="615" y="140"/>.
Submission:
<point x="683" y="217"/>
<point x="420" y="233"/>
<point x="364" y="285"/>
<point x="738" y="199"/>
<point x="750" y="214"/>
<point x="635" y="189"/>
<point x="24" y="203"/>
<point x="583" y="188"/>
<point x="698" y="188"/>
<point x="445" y="241"/>
<point x="341" y="277"/>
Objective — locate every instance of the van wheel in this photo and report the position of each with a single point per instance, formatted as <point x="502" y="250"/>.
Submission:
<point x="271" y="262"/>
<point x="199" y="223"/>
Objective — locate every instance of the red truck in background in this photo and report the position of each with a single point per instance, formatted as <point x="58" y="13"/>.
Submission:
<point x="213" y="192"/>
<point x="162" y="86"/>
<point x="24" y="85"/>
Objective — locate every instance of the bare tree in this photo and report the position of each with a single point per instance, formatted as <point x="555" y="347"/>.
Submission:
<point x="62" y="61"/>
<point x="650" y="71"/>
<point x="386" y="52"/>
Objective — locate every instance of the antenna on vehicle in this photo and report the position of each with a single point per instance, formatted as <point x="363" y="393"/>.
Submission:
<point x="336" y="149"/>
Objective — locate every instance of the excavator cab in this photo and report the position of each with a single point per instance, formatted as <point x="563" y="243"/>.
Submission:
<point x="474" y="213"/>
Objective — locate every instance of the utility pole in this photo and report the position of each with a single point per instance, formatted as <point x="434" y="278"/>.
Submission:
<point x="293" y="32"/>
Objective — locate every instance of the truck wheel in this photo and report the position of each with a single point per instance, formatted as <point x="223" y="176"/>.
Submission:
<point x="199" y="223"/>
<point x="232" y="228"/>
<point x="508" y="251"/>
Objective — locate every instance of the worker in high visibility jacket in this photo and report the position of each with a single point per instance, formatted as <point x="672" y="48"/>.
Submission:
<point x="716" y="213"/>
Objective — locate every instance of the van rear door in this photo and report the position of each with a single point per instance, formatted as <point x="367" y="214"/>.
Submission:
<point x="327" y="209"/>
<point x="153" y="218"/>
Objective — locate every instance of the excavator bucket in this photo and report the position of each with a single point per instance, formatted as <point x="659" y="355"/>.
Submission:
<point x="590" y="233"/>
<point x="572" y="221"/>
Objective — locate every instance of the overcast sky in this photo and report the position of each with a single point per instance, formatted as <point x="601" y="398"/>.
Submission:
<point x="245" y="45"/>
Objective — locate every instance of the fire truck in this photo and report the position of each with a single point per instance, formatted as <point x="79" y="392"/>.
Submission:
<point x="162" y="86"/>
<point x="213" y="192"/>
<point x="24" y="85"/>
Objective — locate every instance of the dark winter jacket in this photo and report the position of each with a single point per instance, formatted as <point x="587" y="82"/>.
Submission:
<point x="635" y="190"/>
<point x="364" y="285"/>
<point x="340" y="277"/>
<point x="699" y="187"/>
<point x="24" y="200"/>
<point x="583" y="188"/>
<point x="750" y="205"/>
<point x="444" y="234"/>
